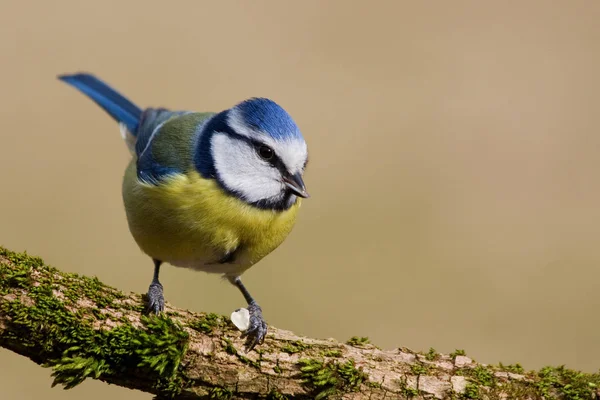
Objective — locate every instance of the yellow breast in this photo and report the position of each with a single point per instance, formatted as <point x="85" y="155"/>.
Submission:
<point x="190" y="221"/>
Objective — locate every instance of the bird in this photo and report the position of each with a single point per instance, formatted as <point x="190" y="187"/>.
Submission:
<point x="209" y="191"/>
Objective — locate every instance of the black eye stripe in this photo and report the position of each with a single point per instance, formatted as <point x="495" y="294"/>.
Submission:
<point x="275" y="161"/>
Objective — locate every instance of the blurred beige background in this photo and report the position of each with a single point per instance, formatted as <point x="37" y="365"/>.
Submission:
<point x="455" y="164"/>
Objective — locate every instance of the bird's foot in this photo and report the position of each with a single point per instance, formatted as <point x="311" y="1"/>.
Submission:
<point x="257" y="330"/>
<point x="156" y="300"/>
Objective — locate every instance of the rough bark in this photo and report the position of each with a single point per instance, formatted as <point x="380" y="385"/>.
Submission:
<point x="82" y="329"/>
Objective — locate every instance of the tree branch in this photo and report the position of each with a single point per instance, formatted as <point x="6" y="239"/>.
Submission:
<point x="82" y="329"/>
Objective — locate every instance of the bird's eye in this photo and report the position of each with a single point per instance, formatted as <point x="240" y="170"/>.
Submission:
<point x="265" y="152"/>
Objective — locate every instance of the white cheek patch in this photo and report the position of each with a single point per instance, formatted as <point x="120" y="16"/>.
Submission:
<point x="241" y="170"/>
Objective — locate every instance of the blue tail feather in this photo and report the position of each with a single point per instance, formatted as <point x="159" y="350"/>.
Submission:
<point x="106" y="97"/>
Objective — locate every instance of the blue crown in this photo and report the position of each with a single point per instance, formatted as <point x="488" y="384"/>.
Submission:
<point x="267" y="116"/>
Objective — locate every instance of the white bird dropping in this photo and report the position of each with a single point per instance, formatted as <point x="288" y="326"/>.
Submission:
<point x="241" y="319"/>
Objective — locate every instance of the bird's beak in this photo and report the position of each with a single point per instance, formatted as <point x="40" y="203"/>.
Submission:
<point x="296" y="185"/>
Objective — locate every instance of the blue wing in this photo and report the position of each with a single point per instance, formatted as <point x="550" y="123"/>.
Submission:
<point x="144" y="125"/>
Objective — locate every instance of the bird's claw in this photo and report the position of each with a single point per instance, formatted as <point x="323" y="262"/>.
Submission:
<point x="257" y="330"/>
<point x="156" y="300"/>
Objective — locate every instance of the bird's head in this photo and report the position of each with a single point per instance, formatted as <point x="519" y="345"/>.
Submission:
<point x="257" y="153"/>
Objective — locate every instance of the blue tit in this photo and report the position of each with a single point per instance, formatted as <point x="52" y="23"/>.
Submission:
<point x="214" y="192"/>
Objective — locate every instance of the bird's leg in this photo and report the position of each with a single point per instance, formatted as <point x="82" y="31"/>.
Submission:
<point x="156" y="300"/>
<point x="257" y="330"/>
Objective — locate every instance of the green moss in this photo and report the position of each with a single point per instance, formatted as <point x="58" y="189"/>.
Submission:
<point x="374" y="385"/>
<point x="294" y="347"/>
<point x="228" y="346"/>
<point x="230" y="349"/>
<point x="246" y="360"/>
<point x="208" y="323"/>
<point x="158" y="350"/>
<point x="329" y="378"/>
<point x="55" y="316"/>
<point x="457" y="352"/>
<point x="19" y="278"/>
<point x="471" y="391"/>
<point x="431" y="355"/>
<point x="91" y="287"/>
<point x="518" y="390"/>
<point x="358" y="341"/>
<point x="220" y="393"/>
<point x="513" y="368"/>
<point x="406" y="391"/>
<point x="483" y="376"/>
<point x="571" y="385"/>
<point x="276" y="395"/>
<point x="550" y="383"/>
<point x="319" y="376"/>
<point x="479" y="378"/>
<point x="48" y="323"/>
<point x="352" y="376"/>
<point x="332" y="353"/>
<point x="419" y="369"/>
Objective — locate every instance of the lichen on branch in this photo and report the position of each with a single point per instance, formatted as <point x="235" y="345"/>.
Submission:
<point x="81" y="328"/>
